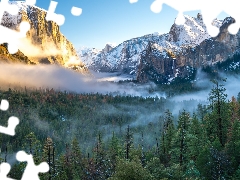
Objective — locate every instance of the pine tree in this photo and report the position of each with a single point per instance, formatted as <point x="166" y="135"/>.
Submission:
<point x="48" y="156"/>
<point x="76" y="160"/>
<point x="180" y="150"/>
<point x="233" y="145"/>
<point x="156" y="168"/>
<point x="102" y="164"/>
<point x="143" y="158"/>
<point x="128" y="143"/>
<point x="115" y="150"/>
<point x="166" y="138"/>
<point x="61" y="170"/>
<point x="213" y="162"/>
<point x="197" y="137"/>
<point x="130" y="169"/>
<point x="203" y="162"/>
<point x="191" y="172"/>
<point x="235" y="116"/>
<point x="67" y="165"/>
<point x="201" y="111"/>
<point x="220" y="166"/>
<point x="236" y="175"/>
<point x="217" y="121"/>
<point x="32" y="146"/>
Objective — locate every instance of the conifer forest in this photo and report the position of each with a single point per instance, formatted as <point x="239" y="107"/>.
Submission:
<point x="95" y="136"/>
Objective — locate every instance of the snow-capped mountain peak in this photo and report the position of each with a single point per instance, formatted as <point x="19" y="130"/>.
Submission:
<point x="125" y="57"/>
<point x="193" y="32"/>
<point x="22" y="5"/>
<point x="87" y="55"/>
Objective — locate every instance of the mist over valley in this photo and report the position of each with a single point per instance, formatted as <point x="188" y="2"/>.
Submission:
<point x="158" y="106"/>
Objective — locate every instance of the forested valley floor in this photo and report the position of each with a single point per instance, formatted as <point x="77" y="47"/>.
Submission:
<point x="95" y="136"/>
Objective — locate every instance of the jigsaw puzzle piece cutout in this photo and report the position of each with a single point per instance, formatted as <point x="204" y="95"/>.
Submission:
<point x="213" y="8"/>
<point x="180" y="20"/>
<point x="4" y="105"/>
<point x="4" y="170"/>
<point x="234" y="28"/>
<point x="209" y="10"/>
<point x="30" y="2"/>
<point x="12" y="37"/>
<point x="133" y="1"/>
<point x="179" y="5"/>
<point x="76" y="11"/>
<point x="52" y="16"/>
<point x="24" y="28"/>
<point x="31" y="170"/>
<point x="12" y="123"/>
<point x="232" y="8"/>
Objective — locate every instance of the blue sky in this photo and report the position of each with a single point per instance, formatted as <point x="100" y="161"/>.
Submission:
<point x="114" y="21"/>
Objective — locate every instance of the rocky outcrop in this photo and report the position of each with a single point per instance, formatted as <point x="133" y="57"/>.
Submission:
<point x="44" y="43"/>
<point x="18" y="57"/>
<point x="107" y="48"/>
<point x="150" y="68"/>
<point x="156" y="66"/>
<point x="126" y="58"/>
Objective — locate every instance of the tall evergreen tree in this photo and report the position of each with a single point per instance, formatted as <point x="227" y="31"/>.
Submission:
<point x="197" y="137"/>
<point x="220" y="166"/>
<point x="128" y="143"/>
<point x="76" y="160"/>
<point x="115" y="150"/>
<point x="192" y="172"/>
<point x="213" y="162"/>
<point x="201" y="111"/>
<point x="130" y="169"/>
<point x="217" y="121"/>
<point x="233" y="145"/>
<point x="180" y="149"/>
<point x="33" y="146"/>
<point x="102" y="163"/>
<point x="48" y="155"/>
<point x="166" y="138"/>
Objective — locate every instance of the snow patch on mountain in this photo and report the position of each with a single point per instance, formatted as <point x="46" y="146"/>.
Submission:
<point x="23" y="7"/>
<point x="193" y="32"/>
<point x="125" y="57"/>
<point x="87" y="55"/>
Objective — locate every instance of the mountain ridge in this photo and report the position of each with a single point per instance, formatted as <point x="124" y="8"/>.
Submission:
<point x="126" y="57"/>
<point x="181" y="64"/>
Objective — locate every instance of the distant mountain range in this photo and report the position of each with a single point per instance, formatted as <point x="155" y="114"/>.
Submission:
<point x="163" y="57"/>
<point x="160" y="58"/>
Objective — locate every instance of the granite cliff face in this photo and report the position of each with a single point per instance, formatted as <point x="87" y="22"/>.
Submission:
<point x="44" y="43"/>
<point x="163" y="57"/>
<point x="18" y="57"/>
<point x="127" y="57"/>
<point x="156" y="66"/>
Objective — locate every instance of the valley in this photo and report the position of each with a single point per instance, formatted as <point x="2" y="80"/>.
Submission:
<point x="159" y="106"/>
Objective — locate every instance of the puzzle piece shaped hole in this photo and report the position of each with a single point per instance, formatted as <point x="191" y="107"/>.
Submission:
<point x="31" y="170"/>
<point x="4" y="170"/>
<point x="10" y="130"/>
<point x="4" y="105"/>
<point x="12" y="37"/>
<point x="209" y="9"/>
<point x="52" y="16"/>
<point x="76" y="11"/>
